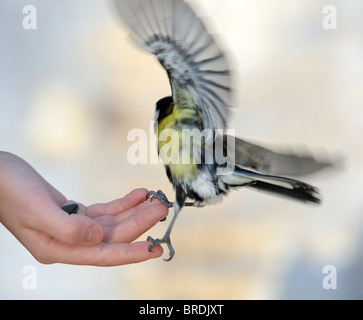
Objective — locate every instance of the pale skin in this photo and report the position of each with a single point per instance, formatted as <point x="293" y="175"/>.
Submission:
<point x="101" y="234"/>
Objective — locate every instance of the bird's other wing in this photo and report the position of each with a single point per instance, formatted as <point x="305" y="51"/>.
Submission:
<point x="249" y="155"/>
<point x="171" y="31"/>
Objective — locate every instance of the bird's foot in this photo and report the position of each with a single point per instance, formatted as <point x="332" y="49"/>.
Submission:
<point x="161" y="197"/>
<point x="157" y="242"/>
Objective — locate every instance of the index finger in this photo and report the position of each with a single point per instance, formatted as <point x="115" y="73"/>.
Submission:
<point x="104" y="254"/>
<point x="131" y="200"/>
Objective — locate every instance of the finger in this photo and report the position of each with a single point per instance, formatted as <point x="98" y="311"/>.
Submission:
<point x="136" y="225"/>
<point x="118" y="206"/>
<point x="71" y="229"/>
<point x="50" y="251"/>
<point x="105" y="255"/>
<point x="112" y="220"/>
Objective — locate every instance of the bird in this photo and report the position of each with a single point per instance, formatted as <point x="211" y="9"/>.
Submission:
<point x="205" y="167"/>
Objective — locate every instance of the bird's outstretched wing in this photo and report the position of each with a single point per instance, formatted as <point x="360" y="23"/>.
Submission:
<point x="178" y="38"/>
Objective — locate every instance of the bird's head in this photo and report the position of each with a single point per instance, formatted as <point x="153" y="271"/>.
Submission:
<point x="164" y="107"/>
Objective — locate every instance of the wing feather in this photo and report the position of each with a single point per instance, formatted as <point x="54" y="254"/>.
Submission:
<point x="171" y="31"/>
<point x="248" y="155"/>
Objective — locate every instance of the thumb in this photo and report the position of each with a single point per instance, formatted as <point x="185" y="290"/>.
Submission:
<point x="70" y="229"/>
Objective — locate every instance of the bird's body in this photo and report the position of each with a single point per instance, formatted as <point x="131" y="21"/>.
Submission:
<point x="192" y="177"/>
<point x="200" y="82"/>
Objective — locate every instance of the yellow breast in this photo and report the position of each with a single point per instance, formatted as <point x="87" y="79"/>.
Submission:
<point x="176" y="152"/>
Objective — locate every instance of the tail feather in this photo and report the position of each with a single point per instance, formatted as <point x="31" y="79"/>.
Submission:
<point x="299" y="191"/>
<point x="281" y="186"/>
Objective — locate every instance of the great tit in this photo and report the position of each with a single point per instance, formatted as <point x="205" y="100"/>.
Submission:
<point x="200" y="80"/>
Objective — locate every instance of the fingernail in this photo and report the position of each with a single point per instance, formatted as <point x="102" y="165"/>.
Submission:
<point x="94" y="234"/>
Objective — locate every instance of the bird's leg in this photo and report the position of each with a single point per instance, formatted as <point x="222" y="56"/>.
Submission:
<point x="178" y="204"/>
<point x="166" y="238"/>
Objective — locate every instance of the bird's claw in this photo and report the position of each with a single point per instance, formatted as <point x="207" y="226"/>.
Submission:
<point x="157" y="242"/>
<point x="161" y="197"/>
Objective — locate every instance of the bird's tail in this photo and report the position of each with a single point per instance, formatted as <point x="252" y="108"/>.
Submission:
<point x="282" y="186"/>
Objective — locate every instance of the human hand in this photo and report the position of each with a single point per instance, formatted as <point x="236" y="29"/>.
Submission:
<point x="100" y="234"/>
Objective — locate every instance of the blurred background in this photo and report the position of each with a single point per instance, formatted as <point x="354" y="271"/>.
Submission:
<point x="71" y="90"/>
